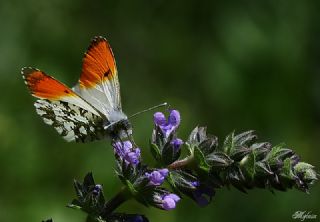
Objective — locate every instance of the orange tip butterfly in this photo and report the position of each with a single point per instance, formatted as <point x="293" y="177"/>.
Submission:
<point x="89" y="111"/>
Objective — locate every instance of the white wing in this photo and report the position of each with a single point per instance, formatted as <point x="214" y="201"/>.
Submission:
<point x="99" y="84"/>
<point x="72" y="122"/>
<point x="59" y="106"/>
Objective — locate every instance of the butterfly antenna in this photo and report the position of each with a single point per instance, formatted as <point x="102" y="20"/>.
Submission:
<point x="146" y="110"/>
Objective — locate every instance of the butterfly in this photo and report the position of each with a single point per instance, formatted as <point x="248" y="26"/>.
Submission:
<point x="91" y="110"/>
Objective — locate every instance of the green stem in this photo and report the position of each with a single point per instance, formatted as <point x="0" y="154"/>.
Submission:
<point x="181" y="163"/>
<point x="122" y="196"/>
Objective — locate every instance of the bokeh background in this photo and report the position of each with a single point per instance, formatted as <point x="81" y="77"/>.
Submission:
<point x="225" y="64"/>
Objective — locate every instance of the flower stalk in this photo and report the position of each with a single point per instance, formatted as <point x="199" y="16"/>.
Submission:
<point x="179" y="164"/>
<point x="240" y="161"/>
<point x="122" y="196"/>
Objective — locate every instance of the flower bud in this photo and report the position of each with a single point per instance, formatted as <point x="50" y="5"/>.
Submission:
<point x="176" y="143"/>
<point x="133" y="157"/>
<point x="174" y="118"/>
<point x="159" y="119"/>
<point x="169" y="201"/>
<point x="97" y="189"/>
<point x="167" y="126"/>
<point x="157" y="177"/>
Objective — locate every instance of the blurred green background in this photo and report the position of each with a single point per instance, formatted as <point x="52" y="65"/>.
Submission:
<point x="228" y="65"/>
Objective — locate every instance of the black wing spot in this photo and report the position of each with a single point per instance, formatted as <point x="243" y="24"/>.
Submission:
<point x="66" y="91"/>
<point x="107" y="73"/>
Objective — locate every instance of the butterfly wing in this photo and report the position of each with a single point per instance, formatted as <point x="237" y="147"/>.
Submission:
<point x="72" y="122"/>
<point x="62" y="108"/>
<point x="99" y="84"/>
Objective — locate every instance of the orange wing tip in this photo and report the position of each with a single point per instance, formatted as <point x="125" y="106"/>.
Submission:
<point x="98" y="63"/>
<point x="95" y="41"/>
<point x="26" y="71"/>
<point x="44" y="86"/>
<point x="98" y="39"/>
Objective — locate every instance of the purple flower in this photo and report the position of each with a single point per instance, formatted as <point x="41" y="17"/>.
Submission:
<point x="133" y="157"/>
<point x="137" y="218"/>
<point x="97" y="189"/>
<point x="203" y="195"/>
<point x="169" y="201"/>
<point x="195" y="183"/>
<point x="167" y="126"/>
<point x="125" y="151"/>
<point x="157" y="177"/>
<point x="122" y="148"/>
<point x="174" y="117"/>
<point x="176" y="143"/>
<point x="159" y="119"/>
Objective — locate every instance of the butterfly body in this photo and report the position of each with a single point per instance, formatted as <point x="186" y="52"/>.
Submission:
<point x="89" y="111"/>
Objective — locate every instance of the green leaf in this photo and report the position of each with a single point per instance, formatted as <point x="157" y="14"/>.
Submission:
<point x="286" y="170"/>
<point x="183" y="180"/>
<point x="88" y="181"/>
<point x="307" y="170"/>
<point x="248" y="164"/>
<point x="200" y="160"/>
<point x="87" y="200"/>
<point x="189" y="149"/>
<point x="168" y="153"/>
<point x="243" y="139"/>
<point x="78" y="189"/>
<point x="239" y="152"/>
<point x="261" y="149"/>
<point x="218" y="159"/>
<point x="302" y="167"/>
<point x="158" y="137"/>
<point x="209" y="144"/>
<point x="131" y="188"/>
<point x="277" y="153"/>
<point x="171" y="180"/>
<point x="262" y="169"/>
<point x="228" y="145"/>
<point x="75" y="204"/>
<point x="155" y="151"/>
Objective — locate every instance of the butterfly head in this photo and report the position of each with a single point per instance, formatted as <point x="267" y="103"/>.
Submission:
<point x="118" y="125"/>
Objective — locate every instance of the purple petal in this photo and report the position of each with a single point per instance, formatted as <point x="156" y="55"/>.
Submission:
<point x="122" y="148"/>
<point x="164" y="172"/>
<point x="137" y="151"/>
<point x="195" y="183"/>
<point x="174" y="118"/>
<point x="132" y="158"/>
<point x="157" y="177"/>
<point x="127" y="146"/>
<point x="173" y="196"/>
<point x="167" y="129"/>
<point x="159" y="119"/>
<point x="176" y="144"/>
<point x="169" y="201"/>
<point x="168" y="204"/>
<point x="118" y="148"/>
<point x="97" y="188"/>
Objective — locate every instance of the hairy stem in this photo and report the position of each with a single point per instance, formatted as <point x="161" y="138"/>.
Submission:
<point x="122" y="196"/>
<point x="181" y="163"/>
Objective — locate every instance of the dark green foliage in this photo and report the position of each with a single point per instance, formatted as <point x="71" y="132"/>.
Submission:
<point x="240" y="161"/>
<point x="245" y="164"/>
<point x="87" y="200"/>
